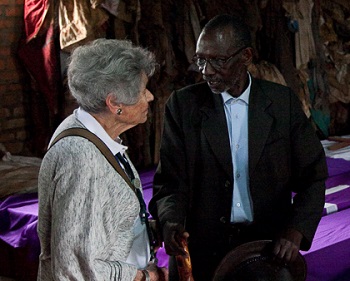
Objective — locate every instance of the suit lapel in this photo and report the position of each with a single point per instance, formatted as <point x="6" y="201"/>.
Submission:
<point x="215" y="130"/>
<point x="214" y="127"/>
<point x="259" y="124"/>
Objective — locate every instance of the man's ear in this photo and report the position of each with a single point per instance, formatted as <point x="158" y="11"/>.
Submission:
<point x="247" y="56"/>
<point x="112" y="105"/>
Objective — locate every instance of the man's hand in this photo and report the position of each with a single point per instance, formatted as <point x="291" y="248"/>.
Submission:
<point x="173" y="233"/>
<point x="287" y="246"/>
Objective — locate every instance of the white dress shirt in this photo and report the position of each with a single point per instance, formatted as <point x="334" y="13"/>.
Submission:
<point x="236" y="110"/>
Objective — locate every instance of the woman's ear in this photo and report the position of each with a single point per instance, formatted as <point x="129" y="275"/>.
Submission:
<point x="112" y="106"/>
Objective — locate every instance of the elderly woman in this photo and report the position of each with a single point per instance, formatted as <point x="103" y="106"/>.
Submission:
<point x="89" y="217"/>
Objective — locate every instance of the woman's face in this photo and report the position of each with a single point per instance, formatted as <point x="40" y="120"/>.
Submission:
<point x="137" y="113"/>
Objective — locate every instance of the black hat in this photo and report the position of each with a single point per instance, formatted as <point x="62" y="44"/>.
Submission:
<point x="253" y="261"/>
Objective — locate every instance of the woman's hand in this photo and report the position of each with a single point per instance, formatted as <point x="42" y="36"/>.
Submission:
<point x="157" y="273"/>
<point x="163" y="274"/>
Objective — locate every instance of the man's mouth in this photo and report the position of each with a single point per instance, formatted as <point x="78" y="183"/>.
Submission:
<point x="213" y="82"/>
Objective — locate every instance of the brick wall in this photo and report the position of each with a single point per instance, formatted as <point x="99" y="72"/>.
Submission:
<point x="14" y="83"/>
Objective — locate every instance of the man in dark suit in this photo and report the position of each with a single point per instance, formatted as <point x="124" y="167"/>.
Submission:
<point x="234" y="150"/>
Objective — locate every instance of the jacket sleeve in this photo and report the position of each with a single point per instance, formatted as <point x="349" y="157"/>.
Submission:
<point x="309" y="174"/>
<point x="171" y="185"/>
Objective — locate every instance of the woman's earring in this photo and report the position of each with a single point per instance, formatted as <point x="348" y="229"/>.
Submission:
<point x="119" y="111"/>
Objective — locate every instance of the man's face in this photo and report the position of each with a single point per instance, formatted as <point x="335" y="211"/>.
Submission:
<point x="220" y="62"/>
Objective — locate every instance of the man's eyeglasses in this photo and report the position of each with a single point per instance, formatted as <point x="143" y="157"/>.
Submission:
<point x="216" y="63"/>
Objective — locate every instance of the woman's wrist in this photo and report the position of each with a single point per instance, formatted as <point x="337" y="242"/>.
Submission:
<point x="140" y="276"/>
<point x="146" y="275"/>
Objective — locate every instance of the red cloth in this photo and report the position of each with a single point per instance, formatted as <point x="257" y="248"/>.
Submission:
<point x="40" y="59"/>
<point x="34" y="16"/>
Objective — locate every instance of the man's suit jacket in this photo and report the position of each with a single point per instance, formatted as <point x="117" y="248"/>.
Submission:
<point x="194" y="181"/>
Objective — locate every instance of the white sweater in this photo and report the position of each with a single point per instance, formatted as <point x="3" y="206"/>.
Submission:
<point x="86" y="213"/>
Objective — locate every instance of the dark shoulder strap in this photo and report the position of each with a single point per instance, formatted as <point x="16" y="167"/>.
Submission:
<point x="81" y="132"/>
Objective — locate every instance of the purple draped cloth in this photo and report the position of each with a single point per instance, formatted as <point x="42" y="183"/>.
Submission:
<point x="18" y="217"/>
<point x="329" y="256"/>
<point x="328" y="259"/>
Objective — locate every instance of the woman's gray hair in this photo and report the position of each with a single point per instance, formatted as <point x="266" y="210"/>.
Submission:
<point x="107" y="66"/>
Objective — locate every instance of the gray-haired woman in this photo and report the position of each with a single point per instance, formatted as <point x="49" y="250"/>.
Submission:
<point x="89" y="218"/>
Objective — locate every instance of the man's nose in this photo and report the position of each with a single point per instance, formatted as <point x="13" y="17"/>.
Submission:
<point x="208" y="69"/>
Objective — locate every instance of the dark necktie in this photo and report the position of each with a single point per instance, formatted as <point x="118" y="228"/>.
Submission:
<point x="143" y="210"/>
<point x="127" y="168"/>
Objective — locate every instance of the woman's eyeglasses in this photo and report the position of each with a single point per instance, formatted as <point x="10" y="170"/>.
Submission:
<point x="216" y="63"/>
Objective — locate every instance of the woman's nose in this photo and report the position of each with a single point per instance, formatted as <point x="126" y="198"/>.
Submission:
<point x="149" y="96"/>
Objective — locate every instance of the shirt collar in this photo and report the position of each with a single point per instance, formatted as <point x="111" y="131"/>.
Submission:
<point x="244" y="96"/>
<point x="95" y="127"/>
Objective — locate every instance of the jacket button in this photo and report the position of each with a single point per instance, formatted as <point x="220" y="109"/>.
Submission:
<point x="227" y="184"/>
<point x="223" y="220"/>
